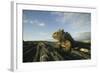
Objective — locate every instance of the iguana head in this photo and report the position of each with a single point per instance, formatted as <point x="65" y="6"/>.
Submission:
<point x="58" y="35"/>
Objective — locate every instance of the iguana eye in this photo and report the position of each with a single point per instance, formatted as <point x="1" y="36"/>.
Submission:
<point x="55" y="34"/>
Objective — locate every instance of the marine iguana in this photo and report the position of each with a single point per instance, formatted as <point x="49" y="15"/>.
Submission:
<point x="65" y="40"/>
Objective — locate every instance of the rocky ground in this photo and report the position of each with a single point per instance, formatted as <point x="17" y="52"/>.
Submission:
<point x="36" y="51"/>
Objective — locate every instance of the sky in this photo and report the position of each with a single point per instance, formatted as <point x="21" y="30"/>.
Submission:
<point x="40" y="25"/>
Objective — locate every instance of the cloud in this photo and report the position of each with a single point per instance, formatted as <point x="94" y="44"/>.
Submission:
<point x="34" y="22"/>
<point x="73" y="19"/>
<point x="41" y="24"/>
<point x="83" y="36"/>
